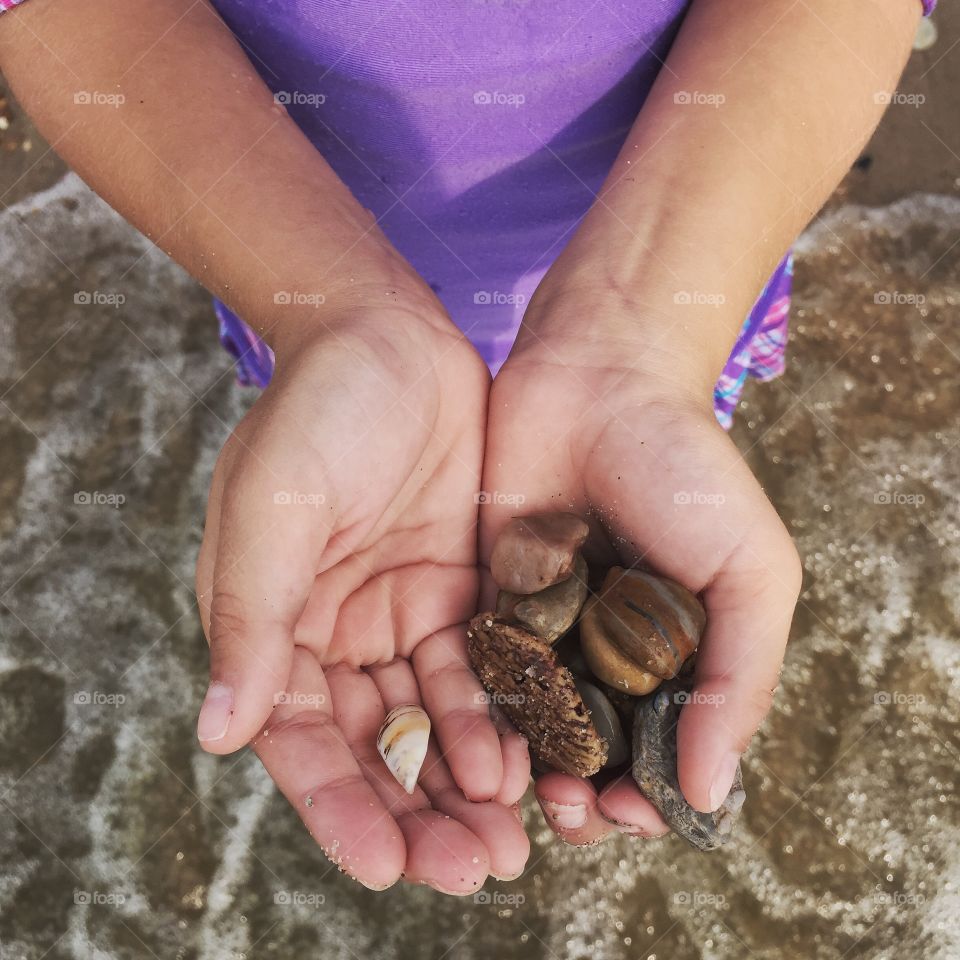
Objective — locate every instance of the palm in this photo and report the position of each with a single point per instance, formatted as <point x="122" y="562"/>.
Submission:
<point x="667" y="488"/>
<point x="372" y="524"/>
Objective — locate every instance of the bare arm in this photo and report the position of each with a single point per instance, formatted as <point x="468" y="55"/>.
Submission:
<point x="348" y="487"/>
<point x="195" y="153"/>
<point x="758" y="113"/>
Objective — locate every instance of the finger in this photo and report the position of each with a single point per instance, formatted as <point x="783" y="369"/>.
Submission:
<point x="732" y="549"/>
<point x="359" y="712"/>
<point x="569" y="807"/>
<point x="450" y="860"/>
<point x="455" y="701"/>
<point x="516" y="758"/>
<point x="749" y="608"/>
<point x="308" y="757"/>
<point x="516" y="768"/>
<point x="256" y="597"/>
<point x="443" y="853"/>
<point x="397" y="684"/>
<point x="495" y="824"/>
<point x="621" y="803"/>
<point x="208" y="548"/>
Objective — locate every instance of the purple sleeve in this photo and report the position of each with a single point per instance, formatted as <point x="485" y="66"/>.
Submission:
<point x="8" y="4"/>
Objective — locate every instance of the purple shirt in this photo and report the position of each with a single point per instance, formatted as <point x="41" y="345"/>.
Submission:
<point x="477" y="132"/>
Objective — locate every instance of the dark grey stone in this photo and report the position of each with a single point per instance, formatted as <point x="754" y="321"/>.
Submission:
<point x="655" y="771"/>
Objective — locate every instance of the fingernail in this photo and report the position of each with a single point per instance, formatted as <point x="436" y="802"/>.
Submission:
<point x="565" y="816"/>
<point x="621" y="826"/>
<point x="627" y="829"/>
<point x="215" y="713"/>
<point x="723" y="778"/>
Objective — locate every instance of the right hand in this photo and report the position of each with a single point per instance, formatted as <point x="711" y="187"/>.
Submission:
<point x="337" y="570"/>
<point x="606" y="433"/>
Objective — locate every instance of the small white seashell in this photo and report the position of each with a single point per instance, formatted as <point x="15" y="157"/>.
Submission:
<point x="402" y="742"/>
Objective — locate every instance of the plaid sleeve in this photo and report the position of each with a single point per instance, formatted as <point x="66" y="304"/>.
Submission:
<point x="8" y="4"/>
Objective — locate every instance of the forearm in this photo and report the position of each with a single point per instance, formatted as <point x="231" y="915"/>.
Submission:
<point x="758" y="113"/>
<point x="194" y="152"/>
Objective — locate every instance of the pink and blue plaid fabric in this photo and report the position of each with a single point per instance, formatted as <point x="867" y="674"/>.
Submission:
<point x="761" y="347"/>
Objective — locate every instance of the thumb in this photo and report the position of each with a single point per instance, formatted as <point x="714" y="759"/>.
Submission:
<point x="749" y="607"/>
<point x="269" y="542"/>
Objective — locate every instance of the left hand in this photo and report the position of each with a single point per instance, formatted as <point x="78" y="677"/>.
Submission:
<point x="597" y="429"/>
<point x="337" y="571"/>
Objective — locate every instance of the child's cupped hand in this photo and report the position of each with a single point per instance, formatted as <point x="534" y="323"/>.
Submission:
<point x="337" y="570"/>
<point x="589" y="425"/>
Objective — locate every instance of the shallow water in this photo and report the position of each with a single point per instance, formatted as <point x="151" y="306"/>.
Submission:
<point x="123" y="840"/>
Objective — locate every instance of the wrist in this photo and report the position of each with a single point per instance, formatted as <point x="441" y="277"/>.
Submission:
<point x="373" y="291"/>
<point x="676" y="335"/>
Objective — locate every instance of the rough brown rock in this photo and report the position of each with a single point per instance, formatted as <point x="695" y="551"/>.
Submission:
<point x="526" y="680"/>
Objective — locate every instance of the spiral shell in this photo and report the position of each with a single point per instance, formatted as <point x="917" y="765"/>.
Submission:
<point x="402" y="742"/>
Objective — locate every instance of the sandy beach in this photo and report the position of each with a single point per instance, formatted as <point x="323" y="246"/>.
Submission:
<point x="121" y="839"/>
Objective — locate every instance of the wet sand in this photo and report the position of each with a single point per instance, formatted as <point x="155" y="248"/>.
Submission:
<point x="121" y="839"/>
